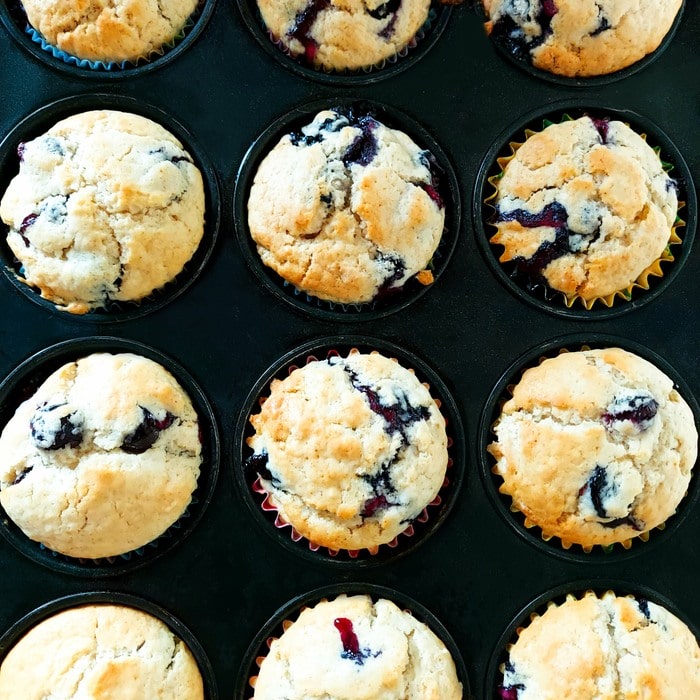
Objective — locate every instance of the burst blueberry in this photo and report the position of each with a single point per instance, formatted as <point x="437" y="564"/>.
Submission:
<point x="146" y="433"/>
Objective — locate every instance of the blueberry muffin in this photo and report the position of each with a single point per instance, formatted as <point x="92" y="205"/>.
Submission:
<point x="107" y="206"/>
<point x="583" y="207"/>
<point x="100" y="651"/>
<point x="595" y="447"/>
<point x="102" y="459"/>
<point x="343" y="34"/>
<point x="349" y="449"/>
<point x="352" y="648"/>
<point x="347" y="209"/>
<point x="117" y="31"/>
<point x="580" y="38"/>
<point x="608" y="647"/>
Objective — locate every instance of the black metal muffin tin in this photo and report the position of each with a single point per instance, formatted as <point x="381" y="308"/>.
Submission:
<point x="475" y="573"/>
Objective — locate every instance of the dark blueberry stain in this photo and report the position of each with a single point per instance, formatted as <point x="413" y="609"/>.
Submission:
<point x="384" y="10"/>
<point x="53" y="145"/>
<point x="20" y="150"/>
<point x="56" y="210"/>
<point x="597" y="483"/>
<point x="257" y="463"/>
<point x="635" y="524"/>
<point x="428" y="160"/>
<point x="643" y="605"/>
<point x="26" y="223"/>
<point x="640" y="410"/>
<point x="118" y="281"/>
<point x="301" y="28"/>
<point x="179" y="159"/>
<point x="433" y="194"/>
<point x="146" y="432"/>
<point x="372" y="505"/>
<point x="508" y="33"/>
<point x="397" y="270"/>
<point x="298" y="138"/>
<point x="351" y="645"/>
<point x="510" y="692"/>
<point x="19" y="477"/>
<point x="363" y="149"/>
<point x="602" y="127"/>
<point x="69" y="433"/>
<point x="326" y="198"/>
<point x="603" y="25"/>
<point x="528" y="271"/>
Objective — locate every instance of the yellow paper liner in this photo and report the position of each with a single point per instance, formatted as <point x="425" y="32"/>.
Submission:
<point x="530" y="524"/>
<point x="642" y="281"/>
<point x="267" y="503"/>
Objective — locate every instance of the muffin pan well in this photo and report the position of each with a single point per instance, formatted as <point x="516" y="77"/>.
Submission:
<point x="226" y="328"/>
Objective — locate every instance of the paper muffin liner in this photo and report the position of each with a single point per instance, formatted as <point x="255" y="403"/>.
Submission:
<point x="37" y="44"/>
<point x="386" y="303"/>
<point x="426" y="36"/>
<point x="286" y="615"/>
<point x="577" y="590"/>
<point x="23" y="382"/>
<point x="76" y="600"/>
<point x="38" y="123"/>
<point x="262" y="506"/>
<point x="523" y="525"/>
<point x="525" y="62"/>
<point x="650" y="282"/>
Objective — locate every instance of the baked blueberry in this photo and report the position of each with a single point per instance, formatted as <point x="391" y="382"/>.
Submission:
<point x="54" y="426"/>
<point x="639" y="409"/>
<point x="146" y="433"/>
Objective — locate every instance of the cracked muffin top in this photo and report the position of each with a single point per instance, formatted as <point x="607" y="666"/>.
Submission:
<point x="107" y="206"/>
<point x="347" y="209"/>
<point x="580" y="38"/>
<point x="350" y="450"/>
<point x="607" y="647"/>
<point x="103" y="458"/>
<point x="352" y="648"/>
<point x="583" y="207"/>
<point x="595" y="446"/>
<point x="109" y="30"/>
<point x="343" y="34"/>
<point x="100" y="651"/>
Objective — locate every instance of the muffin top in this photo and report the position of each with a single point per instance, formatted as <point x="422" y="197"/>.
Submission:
<point x="115" y="31"/>
<point x="107" y="206"/>
<point x="343" y="34"/>
<point x="100" y="651"/>
<point x="347" y="208"/>
<point x="580" y="38"/>
<point x="595" y="446"/>
<point x="352" y="648"/>
<point x="103" y="458"/>
<point x="584" y="207"/>
<point x="608" y="647"/>
<point x="350" y="450"/>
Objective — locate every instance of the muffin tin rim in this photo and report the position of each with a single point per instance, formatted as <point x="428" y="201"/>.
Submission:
<point x="681" y="173"/>
<point x="12" y="635"/>
<point x="44" y="117"/>
<point x="551" y="348"/>
<point x="584" y="82"/>
<point x="455" y="430"/>
<point x="55" y="356"/>
<point x="295" y="605"/>
<point x="25" y="42"/>
<point x="392" y="117"/>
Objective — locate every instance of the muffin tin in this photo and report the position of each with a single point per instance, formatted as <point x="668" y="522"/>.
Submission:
<point x="475" y="573"/>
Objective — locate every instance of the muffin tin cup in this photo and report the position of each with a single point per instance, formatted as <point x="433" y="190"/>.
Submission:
<point x="426" y="37"/>
<point x="36" y="124"/>
<point x="593" y="81"/>
<point x="598" y="555"/>
<point x="22" y="383"/>
<point x="12" y="15"/>
<point x="53" y="607"/>
<point x="558" y="595"/>
<point x="552" y="301"/>
<point x="313" y="306"/>
<point x="255" y="498"/>
<point x="275" y="626"/>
